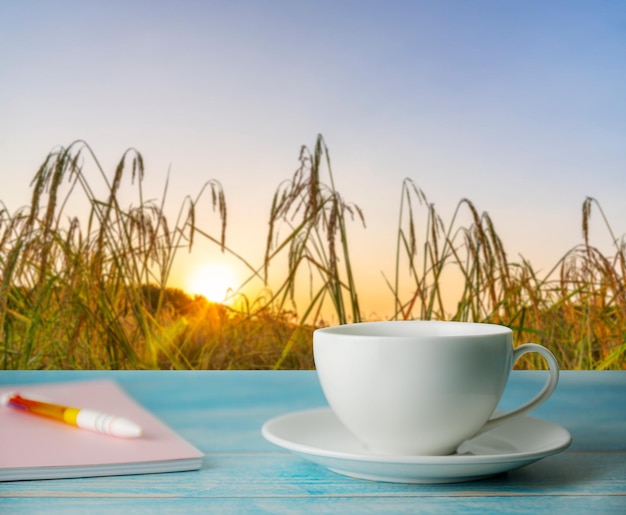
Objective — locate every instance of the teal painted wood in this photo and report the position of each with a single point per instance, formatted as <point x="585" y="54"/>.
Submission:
<point x="304" y="505"/>
<point x="591" y="405"/>
<point x="222" y="412"/>
<point x="300" y="506"/>
<point x="284" y="475"/>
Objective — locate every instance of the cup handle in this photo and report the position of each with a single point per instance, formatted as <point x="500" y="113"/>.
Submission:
<point x="542" y="396"/>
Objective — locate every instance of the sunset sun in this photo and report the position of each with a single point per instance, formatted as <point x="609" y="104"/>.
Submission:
<point x="213" y="281"/>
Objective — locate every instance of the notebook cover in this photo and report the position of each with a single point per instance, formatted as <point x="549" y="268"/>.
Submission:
<point x="33" y="447"/>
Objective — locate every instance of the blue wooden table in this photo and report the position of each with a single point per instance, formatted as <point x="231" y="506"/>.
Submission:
<point x="222" y="413"/>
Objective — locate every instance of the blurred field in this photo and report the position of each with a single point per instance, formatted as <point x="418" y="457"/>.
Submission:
<point x="90" y="291"/>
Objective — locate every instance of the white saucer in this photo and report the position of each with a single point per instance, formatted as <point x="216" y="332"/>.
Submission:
<point x="318" y="436"/>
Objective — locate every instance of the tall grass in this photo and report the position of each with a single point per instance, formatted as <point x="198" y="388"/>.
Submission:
<point x="577" y="309"/>
<point x="91" y="291"/>
<point x="70" y="295"/>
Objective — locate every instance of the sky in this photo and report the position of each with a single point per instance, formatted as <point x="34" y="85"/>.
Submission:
<point x="518" y="106"/>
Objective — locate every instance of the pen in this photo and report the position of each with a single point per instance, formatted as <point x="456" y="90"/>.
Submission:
<point x="82" y="418"/>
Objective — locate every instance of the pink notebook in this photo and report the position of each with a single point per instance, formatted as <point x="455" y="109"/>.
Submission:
<point x="33" y="447"/>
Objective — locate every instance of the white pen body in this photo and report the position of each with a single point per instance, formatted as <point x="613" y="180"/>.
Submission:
<point x="107" y="424"/>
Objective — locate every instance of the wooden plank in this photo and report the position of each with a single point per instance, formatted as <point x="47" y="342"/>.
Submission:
<point x="591" y="405"/>
<point x="285" y="475"/>
<point x="298" y="505"/>
<point x="221" y="411"/>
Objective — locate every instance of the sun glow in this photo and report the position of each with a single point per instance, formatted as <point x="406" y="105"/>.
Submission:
<point x="215" y="281"/>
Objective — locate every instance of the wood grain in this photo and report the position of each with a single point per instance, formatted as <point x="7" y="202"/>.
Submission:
<point x="222" y="413"/>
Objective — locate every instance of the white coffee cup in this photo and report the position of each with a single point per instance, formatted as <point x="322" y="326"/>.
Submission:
<point x="420" y="387"/>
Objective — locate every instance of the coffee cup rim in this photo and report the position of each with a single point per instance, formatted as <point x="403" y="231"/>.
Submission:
<point x="416" y="328"/>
